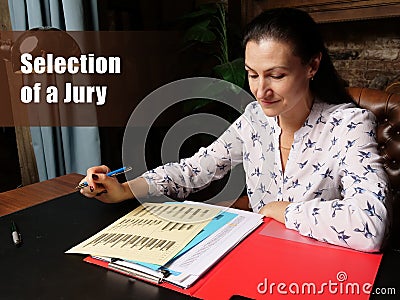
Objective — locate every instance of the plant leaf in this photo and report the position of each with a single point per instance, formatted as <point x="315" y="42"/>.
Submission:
<point x="200" y="32"/>
<point x="232" y="71"/>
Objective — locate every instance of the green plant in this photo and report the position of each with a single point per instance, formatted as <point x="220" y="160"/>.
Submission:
<point x="209" y="27"/>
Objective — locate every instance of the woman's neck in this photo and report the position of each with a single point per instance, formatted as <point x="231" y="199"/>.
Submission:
<point x="292" y="121"/>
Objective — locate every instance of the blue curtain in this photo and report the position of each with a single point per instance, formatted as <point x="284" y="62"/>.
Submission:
<point x="60" y="150"/>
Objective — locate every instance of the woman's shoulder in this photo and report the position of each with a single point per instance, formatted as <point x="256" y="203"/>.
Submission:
<point x="348" y="112"/>
<point x="255" y="117"/>
<point x="253" y="112"/>
<point x="252" y="108"/>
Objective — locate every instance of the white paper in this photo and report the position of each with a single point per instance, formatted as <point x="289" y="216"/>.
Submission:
<point x="203" y="256"/>
<point x="144" y="236"/>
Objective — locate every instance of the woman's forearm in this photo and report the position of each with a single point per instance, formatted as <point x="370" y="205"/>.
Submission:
<point x="135" y="188"/>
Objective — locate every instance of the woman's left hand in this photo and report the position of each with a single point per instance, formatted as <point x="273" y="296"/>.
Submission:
<point x="275" y="210"/>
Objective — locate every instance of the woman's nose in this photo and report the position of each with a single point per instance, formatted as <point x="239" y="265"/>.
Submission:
<point x="263" y="89"/>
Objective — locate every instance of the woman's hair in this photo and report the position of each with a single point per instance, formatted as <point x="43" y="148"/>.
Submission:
<point x="299" y="30"/>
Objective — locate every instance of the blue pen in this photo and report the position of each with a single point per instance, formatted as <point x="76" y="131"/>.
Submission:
<point x="112" y="173"/>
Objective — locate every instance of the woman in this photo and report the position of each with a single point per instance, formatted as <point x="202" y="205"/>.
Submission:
<point x="327" y="181"/>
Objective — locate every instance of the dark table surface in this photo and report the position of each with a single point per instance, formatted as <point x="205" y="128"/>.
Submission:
<point x="39" y="269"/>
<point x="387" y="281"/>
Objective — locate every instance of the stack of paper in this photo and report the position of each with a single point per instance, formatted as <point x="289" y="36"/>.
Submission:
<point x="172" y="242"/>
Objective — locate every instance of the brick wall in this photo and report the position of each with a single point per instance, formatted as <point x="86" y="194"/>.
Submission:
<point x="365" y="53"/>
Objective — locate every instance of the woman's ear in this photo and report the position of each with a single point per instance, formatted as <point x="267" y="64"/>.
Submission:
<point x="314" y="64"/>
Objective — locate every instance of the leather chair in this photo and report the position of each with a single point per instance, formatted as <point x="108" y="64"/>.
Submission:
<point x="386" y="107"/>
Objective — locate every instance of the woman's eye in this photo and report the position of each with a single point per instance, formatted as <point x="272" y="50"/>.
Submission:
<point x="278" y="76"/>
<point x="253" y="76"/>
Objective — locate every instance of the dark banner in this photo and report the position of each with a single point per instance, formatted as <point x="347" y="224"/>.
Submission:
<point x="57" y="78"/>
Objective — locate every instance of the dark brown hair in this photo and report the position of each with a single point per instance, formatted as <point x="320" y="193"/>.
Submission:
<point x="299" y="30"/>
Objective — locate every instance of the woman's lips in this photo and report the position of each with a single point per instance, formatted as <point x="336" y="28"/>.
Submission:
<point x="269" y="102"/>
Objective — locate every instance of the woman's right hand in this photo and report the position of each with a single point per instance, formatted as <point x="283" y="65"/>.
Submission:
<point x="105" y="188"/>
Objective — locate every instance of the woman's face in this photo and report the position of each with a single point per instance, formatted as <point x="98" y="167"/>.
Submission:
<point x="277" y="78"/>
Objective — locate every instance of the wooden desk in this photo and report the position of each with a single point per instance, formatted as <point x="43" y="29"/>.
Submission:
<point x="36" y="193"/>
<point x="39" y="269"/>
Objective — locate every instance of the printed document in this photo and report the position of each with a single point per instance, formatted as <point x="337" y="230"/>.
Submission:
<point x="152" y="233"/>
<point x="187" y="268"/>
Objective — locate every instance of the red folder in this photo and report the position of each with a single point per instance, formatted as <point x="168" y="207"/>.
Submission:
<point x="277" y="263"/>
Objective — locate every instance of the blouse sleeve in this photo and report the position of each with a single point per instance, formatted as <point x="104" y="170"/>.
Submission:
<point x="358" y="219"/>
<point x="179" y="179"/>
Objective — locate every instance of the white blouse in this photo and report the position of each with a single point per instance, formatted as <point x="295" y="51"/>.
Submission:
<point x="333" y="177"/>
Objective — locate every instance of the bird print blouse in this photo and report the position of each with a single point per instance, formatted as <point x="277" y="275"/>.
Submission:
<point x="333" y="179"/>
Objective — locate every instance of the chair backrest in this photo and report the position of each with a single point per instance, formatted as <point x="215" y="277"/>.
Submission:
<point x="386" y="107"/>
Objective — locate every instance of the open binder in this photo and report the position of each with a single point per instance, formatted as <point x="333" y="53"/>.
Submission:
<point x="228" y="228"/>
